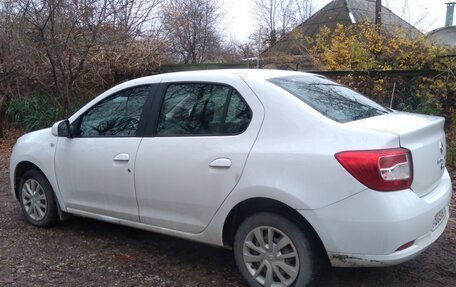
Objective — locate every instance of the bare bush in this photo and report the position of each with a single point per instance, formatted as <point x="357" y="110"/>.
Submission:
<point x="69" y="50"/>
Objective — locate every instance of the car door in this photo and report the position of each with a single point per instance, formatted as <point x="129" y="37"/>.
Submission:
<point x="95" y="168"/>
<point x="197" y="152"/>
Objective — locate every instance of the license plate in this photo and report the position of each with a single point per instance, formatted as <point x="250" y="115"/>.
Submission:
<point x="438" y="218"/>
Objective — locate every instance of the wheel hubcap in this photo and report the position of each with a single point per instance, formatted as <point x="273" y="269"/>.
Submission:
<point x="34" y="199"/>
<point x="271" y="257"/>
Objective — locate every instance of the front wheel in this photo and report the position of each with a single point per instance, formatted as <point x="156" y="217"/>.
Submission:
<point x="271" y="250"/>
<point x="37" y="199"/>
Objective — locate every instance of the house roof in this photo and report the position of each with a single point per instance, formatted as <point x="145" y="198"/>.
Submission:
<point x="344" y="12"/>
<point x="444" y="36"/>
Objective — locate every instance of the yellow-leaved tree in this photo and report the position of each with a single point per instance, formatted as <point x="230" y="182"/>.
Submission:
<point x="421" y="75"/>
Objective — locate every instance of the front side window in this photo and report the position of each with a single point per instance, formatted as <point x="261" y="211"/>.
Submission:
<point x="336" y="102"/>
<point x="117" y="116"/>
<point x="202" y="109"/>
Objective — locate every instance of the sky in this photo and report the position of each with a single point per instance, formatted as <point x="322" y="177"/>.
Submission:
<point x="426" y="15"/>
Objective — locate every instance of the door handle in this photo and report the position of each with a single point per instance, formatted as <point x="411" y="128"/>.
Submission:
<point x="122" y="157"/>
<point x="221" y="162"/>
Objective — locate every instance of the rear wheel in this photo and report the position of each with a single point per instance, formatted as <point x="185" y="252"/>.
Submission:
<point x="37" y="199"/>
<point x="271" y="250"/>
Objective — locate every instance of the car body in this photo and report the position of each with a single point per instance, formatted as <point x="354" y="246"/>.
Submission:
<point x="252" y="142"/>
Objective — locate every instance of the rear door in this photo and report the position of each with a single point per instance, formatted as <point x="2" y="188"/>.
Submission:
<point x="196" y="152"/>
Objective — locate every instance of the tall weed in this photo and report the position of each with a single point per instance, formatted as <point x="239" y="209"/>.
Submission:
<point x="32" y="113"/>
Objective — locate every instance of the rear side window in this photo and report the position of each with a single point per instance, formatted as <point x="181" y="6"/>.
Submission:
<point x="336" y="102"/>
<point x="202" y="109"/>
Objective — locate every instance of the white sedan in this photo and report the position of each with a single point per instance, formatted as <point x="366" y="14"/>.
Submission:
<point x="288" y="169"/>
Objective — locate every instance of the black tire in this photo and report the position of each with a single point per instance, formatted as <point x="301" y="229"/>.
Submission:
<point x="306" y="262"/>
<point x="47" y="215"/>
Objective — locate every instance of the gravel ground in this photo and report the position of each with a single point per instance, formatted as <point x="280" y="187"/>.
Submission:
<point x="84" y="252"/>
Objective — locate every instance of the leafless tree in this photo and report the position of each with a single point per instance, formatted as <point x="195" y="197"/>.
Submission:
<point x="12" y="60"/>
<point x="234" y="51"/>
<point x="63" y="36"/>
<point x="267" y="14"/>
<point x="416" y="19"/>
<point x="279" y="16"/>
<point x="304" y="9"/>
<point x="191" y="29"/>
<point x="286" y="15"/>
<point x="133" y="16"/>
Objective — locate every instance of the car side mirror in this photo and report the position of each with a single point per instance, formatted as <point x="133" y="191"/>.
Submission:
<point x="62" y="129"/>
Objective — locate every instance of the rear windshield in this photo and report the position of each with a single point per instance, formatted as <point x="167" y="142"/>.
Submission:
<point x="337" y="102"/>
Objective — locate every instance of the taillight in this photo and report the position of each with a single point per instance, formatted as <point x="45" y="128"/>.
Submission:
<point x="382" y="170"/>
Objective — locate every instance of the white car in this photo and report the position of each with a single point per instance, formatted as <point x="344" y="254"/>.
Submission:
<point x="286" y="168"/>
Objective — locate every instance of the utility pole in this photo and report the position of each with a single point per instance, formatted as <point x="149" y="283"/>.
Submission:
<point x="378" y="12"/>
<point x="259" y="48"/>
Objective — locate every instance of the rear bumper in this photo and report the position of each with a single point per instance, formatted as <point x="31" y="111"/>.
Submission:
<point x="366" y="229"/>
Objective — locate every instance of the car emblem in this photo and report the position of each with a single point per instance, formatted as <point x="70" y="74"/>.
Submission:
<point x="441" y="161"/>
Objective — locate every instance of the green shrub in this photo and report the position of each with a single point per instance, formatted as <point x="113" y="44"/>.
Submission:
<point x="32" y="113"/>
<point x="420" y="105"/>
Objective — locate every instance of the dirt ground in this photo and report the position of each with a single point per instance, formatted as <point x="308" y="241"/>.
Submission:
<point x="83" y="252"/>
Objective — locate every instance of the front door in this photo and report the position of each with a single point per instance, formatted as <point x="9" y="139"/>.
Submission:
<point x="95" y="169"/>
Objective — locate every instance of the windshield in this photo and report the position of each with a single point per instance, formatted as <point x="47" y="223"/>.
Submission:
<point x="336" y="102"/>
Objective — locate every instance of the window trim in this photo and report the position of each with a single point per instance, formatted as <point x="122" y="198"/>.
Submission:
<point x="76" y="124"/>
<point x="158" y="106"/>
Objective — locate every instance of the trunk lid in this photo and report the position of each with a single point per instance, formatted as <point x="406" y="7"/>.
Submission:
<point x="423" y="136"/>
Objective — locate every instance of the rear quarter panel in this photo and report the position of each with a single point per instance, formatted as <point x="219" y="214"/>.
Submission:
<point x="292" y="160"/>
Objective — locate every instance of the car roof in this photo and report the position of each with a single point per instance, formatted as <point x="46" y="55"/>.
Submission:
<point x="251" y="73"/>
<point x="256" y="73"/>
